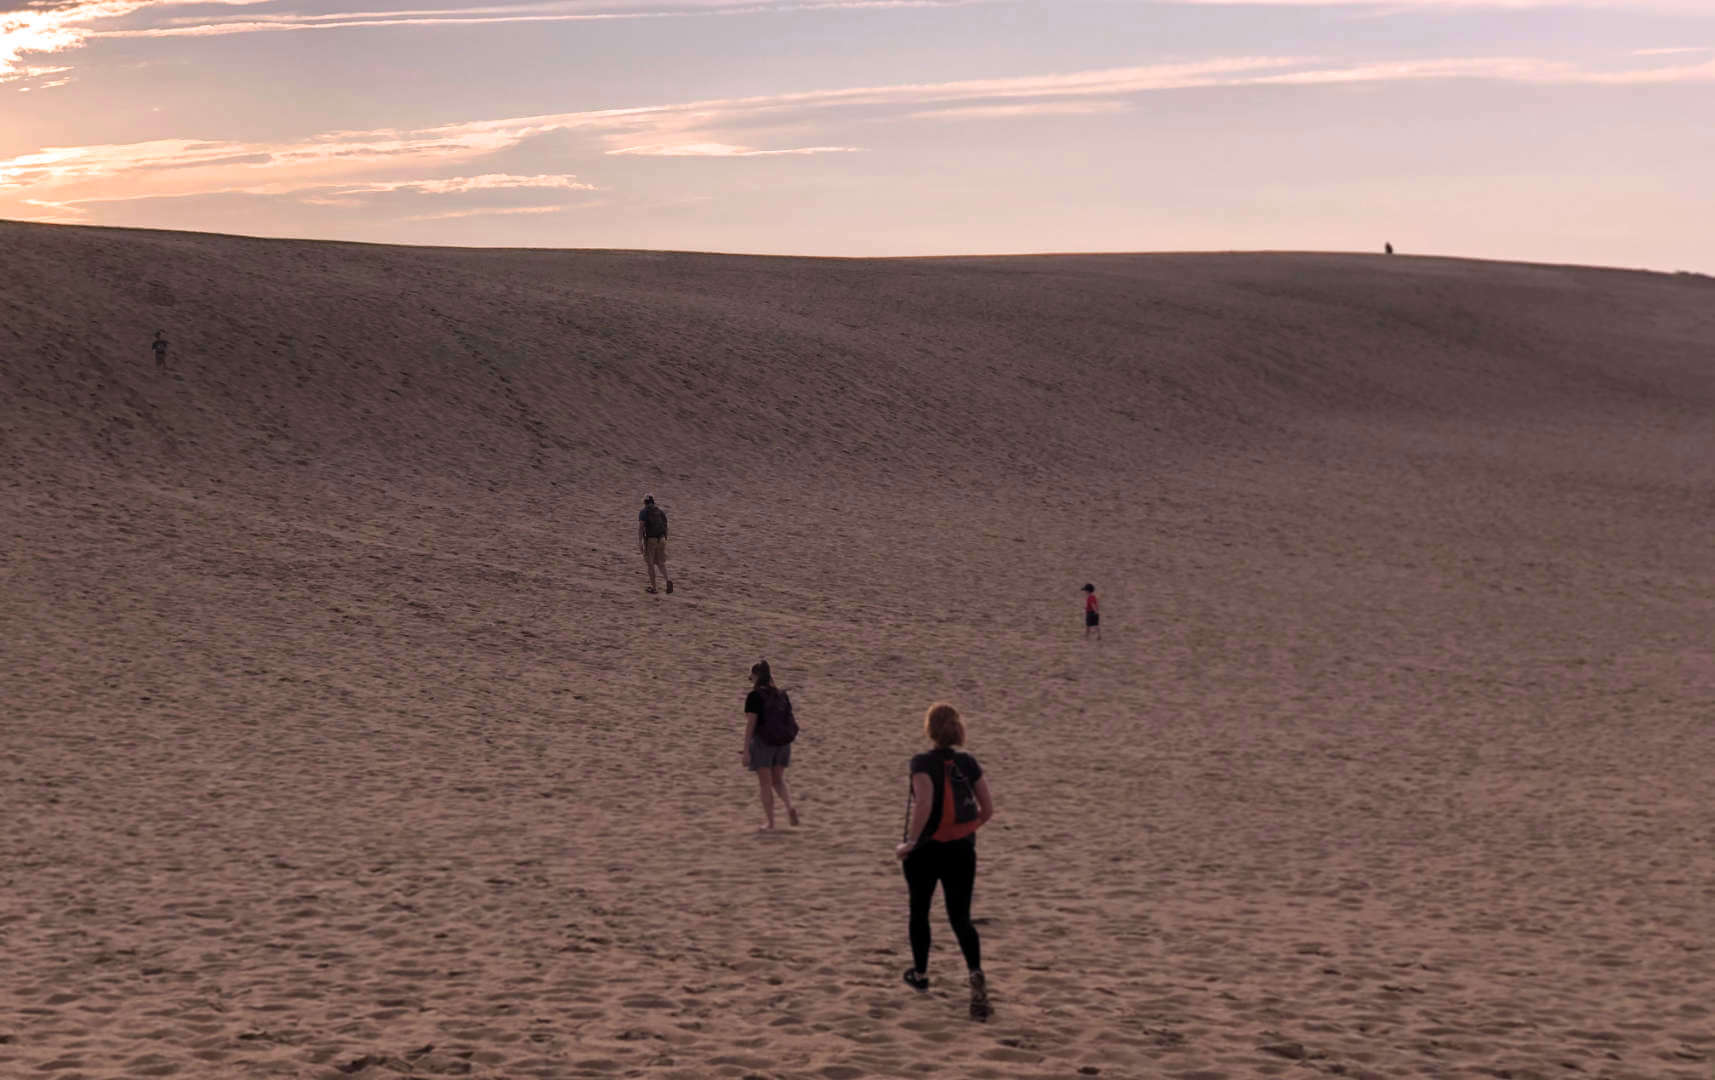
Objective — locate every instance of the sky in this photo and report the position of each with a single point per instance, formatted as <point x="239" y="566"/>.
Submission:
<point x="1577" y="131"/>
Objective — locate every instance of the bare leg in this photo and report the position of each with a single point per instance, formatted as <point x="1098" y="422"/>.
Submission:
<point x="764" y="780"/>
<point x="779" y="772"/>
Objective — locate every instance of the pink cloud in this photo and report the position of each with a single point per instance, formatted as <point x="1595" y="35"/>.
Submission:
<point x="725" y="150"/>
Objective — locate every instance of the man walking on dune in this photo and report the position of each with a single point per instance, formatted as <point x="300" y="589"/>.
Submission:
<point x="652" y="539"/>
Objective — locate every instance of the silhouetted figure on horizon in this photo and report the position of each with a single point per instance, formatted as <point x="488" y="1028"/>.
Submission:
<point x="160" y="347"/>
<point x="1389" y="247"/>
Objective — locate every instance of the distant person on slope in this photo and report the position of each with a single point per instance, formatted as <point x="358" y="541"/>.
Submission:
<point x="1092" y="613"/>
<point x="949" y="801"/>
<point x="652" y="540"/>
<point x="160" y="347"/>
<point x="769" y="728"/>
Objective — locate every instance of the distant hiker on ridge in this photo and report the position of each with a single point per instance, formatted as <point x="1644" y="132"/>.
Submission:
<point x="652" y="540"/>
<point x="1389" y="247"/>
<point x="160" y="347"/>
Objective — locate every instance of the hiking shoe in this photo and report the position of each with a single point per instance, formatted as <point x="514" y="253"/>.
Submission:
<point x="669" y="586"/>
<point x="916" y="980"/>
<point x="649" y="588"/>
<point x="980" y="1007"/>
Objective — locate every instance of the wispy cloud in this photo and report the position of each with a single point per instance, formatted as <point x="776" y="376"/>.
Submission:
<point x="1497" y="68"/>
<point x="488" y="15"/>
<point x="352" y="164"/>
<point x="54" y="213"/>
<point x="459" y="185"/>
<point x="53" y="27"/>
<point x="57" y="27"/>
<point x="1008" y="112"/>
<point x="174" y="166"/>
<point x="1664" y="76"/>
<point x="488" y="211"/>
<point x="42" y="27"/>
<point x="38" y="78"/>
<point x="725" y="150"/>
<point x="1493" y="68"/>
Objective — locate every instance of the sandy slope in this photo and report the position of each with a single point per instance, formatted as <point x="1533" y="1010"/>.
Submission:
<point x="340" y="739"/>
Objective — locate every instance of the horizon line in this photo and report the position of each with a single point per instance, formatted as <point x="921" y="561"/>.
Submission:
<point x="918" y="257"/>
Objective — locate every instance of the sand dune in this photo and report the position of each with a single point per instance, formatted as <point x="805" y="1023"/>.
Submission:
<point x="339" y="738"/>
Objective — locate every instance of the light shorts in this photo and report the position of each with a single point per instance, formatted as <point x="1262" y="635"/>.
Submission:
<point x="655" y="550"/>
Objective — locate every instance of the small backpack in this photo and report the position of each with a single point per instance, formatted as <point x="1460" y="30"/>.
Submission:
<point x="776" y="726"/>
<point x="654" y="522"/>
<point x="959" y="807"/>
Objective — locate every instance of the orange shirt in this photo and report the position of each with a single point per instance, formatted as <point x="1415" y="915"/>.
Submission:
<point x="1090" y="602"/>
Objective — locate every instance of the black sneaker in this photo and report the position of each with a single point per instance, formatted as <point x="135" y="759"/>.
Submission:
<point x="916" y="980"/>
<point x="980" y="1007"/>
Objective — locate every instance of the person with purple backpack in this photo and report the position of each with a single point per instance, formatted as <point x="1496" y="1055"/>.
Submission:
<point x="769" y="728"/>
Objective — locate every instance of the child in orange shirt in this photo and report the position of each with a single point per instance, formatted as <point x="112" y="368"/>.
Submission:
<point x="1092" y="613"/>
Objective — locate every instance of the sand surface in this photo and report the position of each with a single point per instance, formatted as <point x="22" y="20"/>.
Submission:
<point x="339" y="738"/>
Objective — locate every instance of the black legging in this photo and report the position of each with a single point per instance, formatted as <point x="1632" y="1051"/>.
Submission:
<point x="954" y="865"/>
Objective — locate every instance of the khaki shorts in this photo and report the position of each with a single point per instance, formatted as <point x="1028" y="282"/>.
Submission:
<point x="655" y="550"/>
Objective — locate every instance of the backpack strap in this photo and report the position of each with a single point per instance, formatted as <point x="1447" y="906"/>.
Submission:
<point x="910" y="799"/>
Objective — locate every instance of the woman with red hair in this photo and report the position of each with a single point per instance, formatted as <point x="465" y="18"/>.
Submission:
<point x="950" y="801"/>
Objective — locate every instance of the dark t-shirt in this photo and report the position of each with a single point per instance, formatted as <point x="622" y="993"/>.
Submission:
<point x="159" y="345"/>
<point x="753" y="703"/>
<point x="643" y="516"/>
<point x="931" y="763"/>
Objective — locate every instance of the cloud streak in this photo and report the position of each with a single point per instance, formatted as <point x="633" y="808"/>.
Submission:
<point x="725" y="150"/>
<point x="41" y="29"/>
<point x="488" y="211"/>
<point x="356" y="164"/>
<point x="481" y="16"/>
<point x="1010" y="112"/>
<point x="459" y="185"/>
<point x="170" y="166"/>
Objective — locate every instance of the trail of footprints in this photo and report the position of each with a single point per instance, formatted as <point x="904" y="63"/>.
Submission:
<point x="364" y="983"/>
